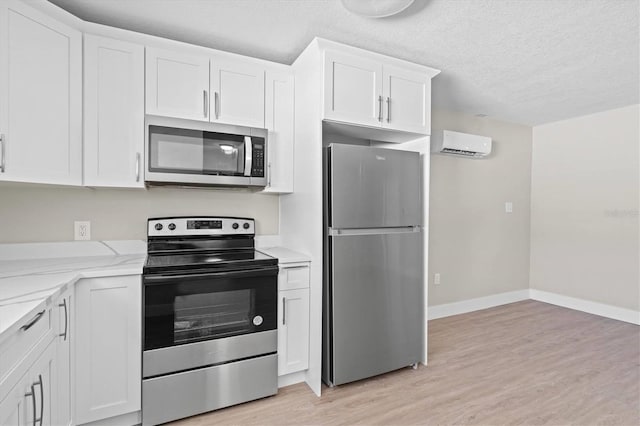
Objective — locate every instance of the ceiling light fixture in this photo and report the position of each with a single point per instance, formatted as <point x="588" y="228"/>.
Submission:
<point x="376" y="8"/>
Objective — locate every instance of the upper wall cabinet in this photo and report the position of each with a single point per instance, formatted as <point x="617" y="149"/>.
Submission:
<point x="219" y="89"/>
<point x="279" y="120"/>
<point x="40" y="97"/>
<point x="367" y="90"/>
<point x="113" y="113"/>
<point x="177" y="85"/>
<point x="353" y="89"/>
<point x="238" y="92"/>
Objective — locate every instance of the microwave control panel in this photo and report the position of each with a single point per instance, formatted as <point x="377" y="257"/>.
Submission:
<point x="257" y="163"/>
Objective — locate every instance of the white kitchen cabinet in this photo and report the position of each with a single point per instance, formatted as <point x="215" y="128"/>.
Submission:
<point x="113" y="112"/>
<point x="40" y="97"/>
<point x="279" y="121"/>
<point x="64" y="335"/>
<point x="32" y="400"/>
<point x="293" y="318"/>
<point x="107" y="347"/>
<point x="407" y="100"/>
<point x="368" y="90"/>
<point x="177" y="84"/>
<point x="237" y="89"/>
<point x="352" y="89"/>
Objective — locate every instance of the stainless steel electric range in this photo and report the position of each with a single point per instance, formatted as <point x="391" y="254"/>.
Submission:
<point x="209" y="317"/>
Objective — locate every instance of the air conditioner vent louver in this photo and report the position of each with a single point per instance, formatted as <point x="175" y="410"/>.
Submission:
<point x="461" y="144"/>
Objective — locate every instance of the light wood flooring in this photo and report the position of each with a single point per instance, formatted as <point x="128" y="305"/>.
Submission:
<point x="527" y="363"/>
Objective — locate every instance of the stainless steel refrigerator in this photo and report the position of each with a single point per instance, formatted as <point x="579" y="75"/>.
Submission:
<point x="373" y="272"/>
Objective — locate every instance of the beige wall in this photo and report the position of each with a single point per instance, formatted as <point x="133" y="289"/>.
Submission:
<point x="46" y="213"/>
<point x="478" y="249"/>
<point x="585" y="208"/>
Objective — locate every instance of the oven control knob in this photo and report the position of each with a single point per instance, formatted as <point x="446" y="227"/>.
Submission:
<point x="257" y="320"/>
<point x="158" y="227"/>
<point x="172" y="226"/>
<point x="246" y="225"/>
<point x="235" y="225"/>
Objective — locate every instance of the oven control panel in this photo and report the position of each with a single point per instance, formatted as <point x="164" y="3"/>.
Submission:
<point x="184" y="226"/>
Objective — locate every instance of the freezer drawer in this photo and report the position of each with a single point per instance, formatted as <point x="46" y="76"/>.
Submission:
<point x="376" y="314"/>
<point x="373" y="187"/>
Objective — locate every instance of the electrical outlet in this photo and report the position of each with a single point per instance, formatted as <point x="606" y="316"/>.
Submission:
<point x="508" y="207"/>
<point x="81" y="230"/>
<point x="436" y="278"/>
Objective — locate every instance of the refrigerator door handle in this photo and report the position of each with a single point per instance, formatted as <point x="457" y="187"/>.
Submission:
<point x="335" y="232"/>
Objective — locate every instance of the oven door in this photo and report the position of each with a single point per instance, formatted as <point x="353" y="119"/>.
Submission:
<point x="190" y="308"/>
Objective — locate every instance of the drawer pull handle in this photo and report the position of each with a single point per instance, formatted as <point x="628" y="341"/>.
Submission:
<point x="34" y="320"/>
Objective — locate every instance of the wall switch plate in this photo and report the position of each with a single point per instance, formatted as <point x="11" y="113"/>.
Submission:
<point x="81" y="230"/>
<point x="508" y="207"/>
<point x="436" y="278"/>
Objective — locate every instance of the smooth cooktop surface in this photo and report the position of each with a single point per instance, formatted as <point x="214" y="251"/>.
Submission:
<point x="232" y="259"/>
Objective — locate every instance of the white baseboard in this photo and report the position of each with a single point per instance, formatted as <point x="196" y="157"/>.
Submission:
<point x="608" y="311"/>
<point x="464" y="306"/>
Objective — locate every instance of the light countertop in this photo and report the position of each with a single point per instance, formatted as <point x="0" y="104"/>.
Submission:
<point x="33" y="274"/>
<point x="285" y="255"/>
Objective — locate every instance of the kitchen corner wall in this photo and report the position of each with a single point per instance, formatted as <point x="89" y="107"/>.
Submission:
<point x="585" y="218"/>
<point x="478" y="249"/>
<point x="31" y="213"/>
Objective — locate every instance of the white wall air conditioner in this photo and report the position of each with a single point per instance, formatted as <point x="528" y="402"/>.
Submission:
<point x="463" y="144"/>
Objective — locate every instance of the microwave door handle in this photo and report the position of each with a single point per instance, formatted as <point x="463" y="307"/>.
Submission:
<point x="248" y="155"/>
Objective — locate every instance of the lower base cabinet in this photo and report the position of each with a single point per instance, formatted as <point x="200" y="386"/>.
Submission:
<point x="63" y="338"/>
<point x="293" y="317"/>
<point x="31" y="401"/>
<point x="107" y="347"/>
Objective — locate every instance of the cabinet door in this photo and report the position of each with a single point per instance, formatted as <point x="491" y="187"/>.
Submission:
<point x="237" y="92"/>
<point x="107" y="347"/>
<point x="40" y="97"/>
<point x="352" y="89"/>
<point x="293" y="331"/>
<point x="407" y="100"/>
<point x="177" y="85"/>
<point x="64" y="335"/>
<point x="42" y="379"/>
<point x="14" y="406"/>
<point x="279" y="117"/>
<point x="113" y="112"/>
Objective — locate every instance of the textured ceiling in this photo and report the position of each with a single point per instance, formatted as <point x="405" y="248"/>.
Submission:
<point x="525" y="61"/>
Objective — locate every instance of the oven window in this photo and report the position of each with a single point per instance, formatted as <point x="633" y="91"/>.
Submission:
<point x="201" y="317"/>
<point x="185" y="309"/>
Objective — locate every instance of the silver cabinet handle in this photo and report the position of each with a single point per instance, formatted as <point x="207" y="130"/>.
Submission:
<point x="33" y="320"/>
<point x="284" y="311"/>
<point x="215" y="104"/>
<point x="269" y="171"/>
<point x="137" y="167"/>
<point x="388" y="109"/>
<point x="205" y="103"/>
<point x="66" y="319"/>
<point x="380" y="108"/>
<point x="2" y="164"/>
<point x="41" y="399"/>
<point x="32" y="394"/>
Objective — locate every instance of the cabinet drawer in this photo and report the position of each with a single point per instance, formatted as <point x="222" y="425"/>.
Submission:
<point x="17" y="347"/>
<point x="293" y="277"/>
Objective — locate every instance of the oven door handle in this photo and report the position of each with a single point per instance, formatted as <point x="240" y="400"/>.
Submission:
<point x="156" y="279"/>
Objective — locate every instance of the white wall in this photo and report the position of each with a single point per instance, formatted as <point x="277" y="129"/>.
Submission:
<point x="478" y="249"/>
<point x="46" y="213"/>
<point x="585" y="208"/>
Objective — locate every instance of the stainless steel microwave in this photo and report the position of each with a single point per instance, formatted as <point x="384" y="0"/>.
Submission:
<point x="189" y="152"/>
